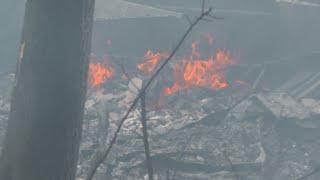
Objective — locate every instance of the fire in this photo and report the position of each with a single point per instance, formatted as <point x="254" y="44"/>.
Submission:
<point x="99" y="73"/>
<point x="197" y="72"/>
<point x="151" y="60"/>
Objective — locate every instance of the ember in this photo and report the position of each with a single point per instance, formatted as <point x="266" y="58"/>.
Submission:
<point x="197" y="72"/>
<point x="99" y="74"/>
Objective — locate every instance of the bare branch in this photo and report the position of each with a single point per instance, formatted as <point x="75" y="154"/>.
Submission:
<point x="143" y="90"/>
<point x="145" y="136"/>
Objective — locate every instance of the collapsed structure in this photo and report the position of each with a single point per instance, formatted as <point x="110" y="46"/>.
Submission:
<point x="262" y="127"/>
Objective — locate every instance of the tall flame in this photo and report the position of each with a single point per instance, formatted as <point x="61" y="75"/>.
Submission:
<point x="98" y="74"/>
<point x="151" y="60"/>
<point x="197" y="72"/>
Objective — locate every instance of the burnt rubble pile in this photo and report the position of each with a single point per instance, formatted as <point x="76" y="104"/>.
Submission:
<point x="222" y="136"/>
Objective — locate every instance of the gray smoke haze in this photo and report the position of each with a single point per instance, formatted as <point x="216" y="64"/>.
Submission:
<point x="267" y="115"/>
<point x="260" y="30"/>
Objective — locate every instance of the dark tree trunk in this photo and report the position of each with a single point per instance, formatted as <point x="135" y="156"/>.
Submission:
<point x="44" y="129"/>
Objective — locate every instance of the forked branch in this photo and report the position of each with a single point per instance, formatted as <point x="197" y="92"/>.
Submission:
<point x="205" y="14"/>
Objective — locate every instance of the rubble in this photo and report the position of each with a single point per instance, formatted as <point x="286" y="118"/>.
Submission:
<point x="304" y="113"/>
<point x="209" y="141"/>
<point x="265" y="136"/>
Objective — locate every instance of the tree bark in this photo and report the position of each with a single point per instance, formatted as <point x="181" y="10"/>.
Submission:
<point x="44" y="128"/>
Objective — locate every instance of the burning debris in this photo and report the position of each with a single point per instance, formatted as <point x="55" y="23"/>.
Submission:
<point x="207" y="135"/>
<point x="216" y="133"/>
<point x="187" y="72"/>
<point x="201" y="138"/>
<point x="151" y="61"/>
<point x="197" y="72"/>
<point x="99" y="73"/>
<point x="204" y="122"/>
<point x="241" y="137"/>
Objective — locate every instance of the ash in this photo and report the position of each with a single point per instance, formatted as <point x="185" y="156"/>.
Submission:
<point x="267" y="135"/>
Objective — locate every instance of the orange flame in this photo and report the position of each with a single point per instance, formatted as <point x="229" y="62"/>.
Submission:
<point x="197" y="72"/>
<point x="99" y="74"/>
<point x="150" y="61"/>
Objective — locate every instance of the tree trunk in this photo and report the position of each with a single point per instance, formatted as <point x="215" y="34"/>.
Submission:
<point x="44" y="129"/>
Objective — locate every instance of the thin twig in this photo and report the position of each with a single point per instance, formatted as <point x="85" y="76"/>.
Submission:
<point x="150" y="81"/>
<point x="145" y="136"/>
